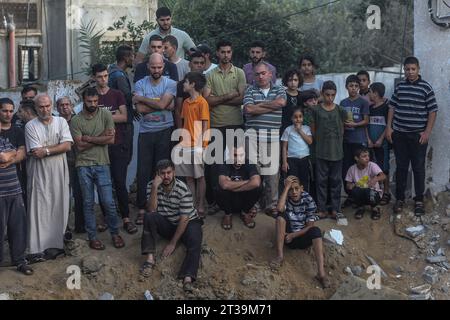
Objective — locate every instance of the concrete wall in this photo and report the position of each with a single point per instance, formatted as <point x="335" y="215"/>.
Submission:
<point x="86" y="10"/>
<point x="432" y="47"/>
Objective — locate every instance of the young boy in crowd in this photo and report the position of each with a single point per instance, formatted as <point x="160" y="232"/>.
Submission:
<point x="195" y="121"/>
<point x="292" y="80"/>
<point x="376" y="133"/>
<point x="295" y="226"/>
<point x="328" y="132"/>
<point x="355" y="136"/>
<point x="363" y="183"/>
<point x="295" y="144"/>
<point x="309" y="100"/>
<point x="364" y="83"/>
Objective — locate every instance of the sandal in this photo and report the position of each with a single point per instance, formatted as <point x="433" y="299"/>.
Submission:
<point x="140" y="219"/>
<point x="147" y="269"/>
<point x="96" y="245"/>
<point x="386" y="199"/>
<point x="118" y="241"/>
<point x="248" y="221"/>
<point x="419" y="210"/>
<point x="130" y="227"/>
<point x="398" y="206"/>
<point x="25" y="269"/>
<point x="188" y="287"/>
<point x="359" y="214"/>
<point x="276" y="263"/>
<point x="227" y="222"/>
<point x="324" y="282"/>
<point x="376" y="214"/>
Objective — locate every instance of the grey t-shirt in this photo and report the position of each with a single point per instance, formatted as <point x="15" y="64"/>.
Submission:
<point x="182" y="68"/>
<point x="356" y="109"/>
<point x="185" y="42"/>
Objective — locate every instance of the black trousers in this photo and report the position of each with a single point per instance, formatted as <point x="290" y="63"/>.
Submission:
<point x="329" y="184"/>
<point x="152" y="147"/>
<point x="78" y="199"/>
<point x="155" y="224"/>
<point x="120" y="158"/>
<point x="349" y="159"/>
<point x="237" y="202"/>
<point x="300" y="168"/>
<point x="13" y="219"/>
<point x="408" y="150"/>
<point x="366" y="196"/>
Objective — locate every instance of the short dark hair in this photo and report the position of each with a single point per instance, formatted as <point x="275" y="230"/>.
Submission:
<point x="122" y="52"/>
<point x="378" y="88"/>
<point x="155" y="37"/>
<point x="98" y="67"/>
<point x="204" y="48"/>
<point x="198" y="79"/>
<point x="172" y="40"/>
<point x="360" y="151"/>
<point x="289" y="74"/>
<point x="223" y="43"/>
<point x="197" y="54"/>
<point x="27" y="89"/>
<point x="308" y="94"/>
<point x="411" y="60"/>
<point x="363" y="73"/>
<point x="164" y="164"/>
<point x="90" y="92"/>
<point x="297" y="109"/>
<point x="28" y="105"/>
<point x="258" y="44"/>
<point x="309" y="58"/>
<point x="353" y="78"/>
<point x="329" y="85"/>
<point x="163" y="12"/>
<point x="4" y="101"/>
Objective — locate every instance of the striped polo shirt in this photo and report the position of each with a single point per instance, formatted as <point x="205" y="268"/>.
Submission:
<point x="269" y="123"/>
<point x="177" y="202"/>
<point x="413" y="102"/>
<point x="9" y="182"/>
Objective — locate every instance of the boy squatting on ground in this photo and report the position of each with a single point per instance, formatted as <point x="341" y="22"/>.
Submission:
<point x="297" y="213"/>
<point x="363" y="183"/>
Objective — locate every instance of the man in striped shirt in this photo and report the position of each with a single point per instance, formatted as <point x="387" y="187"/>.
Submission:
<point x="263" y="105"/>
<point x="411" y="119"/>
<point x="172" y="215"/>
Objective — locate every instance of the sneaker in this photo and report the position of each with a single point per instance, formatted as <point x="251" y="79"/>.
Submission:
<point x="419" y="210"/>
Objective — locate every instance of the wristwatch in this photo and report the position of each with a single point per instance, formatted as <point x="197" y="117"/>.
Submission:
<point x="47" y="151"/>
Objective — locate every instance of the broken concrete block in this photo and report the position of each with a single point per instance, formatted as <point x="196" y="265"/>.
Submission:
<point x="430" y="275"/>
<point x="348" y="271"/>
<point x="436" y="259"/>
<point x="424" y="289"/>
<point x="342" y="222"/>
<point x="4" y="296"/>
<point x="414" y="232"/>
<point x="440" y="252"/>
<point x="148" y="295"/>
<point x="356" y="270"/>
<point x="106" y="296"/>
<point x="420" y="296"/>
<point x="374" y="263"/>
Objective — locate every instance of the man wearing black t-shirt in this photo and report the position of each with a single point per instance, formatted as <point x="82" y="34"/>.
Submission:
<point x="240" y="189"/>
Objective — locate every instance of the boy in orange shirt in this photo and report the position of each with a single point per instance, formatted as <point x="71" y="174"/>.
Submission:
<point x="195" y="123"/>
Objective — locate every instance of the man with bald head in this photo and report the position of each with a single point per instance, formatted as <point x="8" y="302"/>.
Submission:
<point x="154" y="100"/>
<point x="47" y="140"/>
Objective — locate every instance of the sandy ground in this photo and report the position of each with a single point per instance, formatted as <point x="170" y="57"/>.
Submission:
<point x="234" y="263"/>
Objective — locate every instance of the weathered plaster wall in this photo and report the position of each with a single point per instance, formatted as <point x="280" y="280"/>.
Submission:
<point x="432" y="47"/>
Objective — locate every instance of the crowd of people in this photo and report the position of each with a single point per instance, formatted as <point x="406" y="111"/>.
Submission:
<point x="52" y="164"/>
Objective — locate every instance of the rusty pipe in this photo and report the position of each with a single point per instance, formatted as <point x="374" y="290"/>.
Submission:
<point x="11" y="28"/>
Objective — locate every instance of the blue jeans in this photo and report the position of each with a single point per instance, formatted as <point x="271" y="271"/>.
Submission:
<point x="101" y="177"/>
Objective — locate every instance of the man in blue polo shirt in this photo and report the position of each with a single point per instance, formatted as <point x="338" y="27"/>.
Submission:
<point x="411" y="119"/>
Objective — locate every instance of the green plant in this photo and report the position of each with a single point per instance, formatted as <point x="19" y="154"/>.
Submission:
<point x="90" y="41"/>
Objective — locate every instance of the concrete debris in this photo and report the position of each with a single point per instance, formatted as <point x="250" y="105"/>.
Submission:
<point x="414" y="232"/>
<point x="440" y="252"/>
<point x="342" y="222"/>
<point x="430" y="275"/>
<point x="420" y="296"/>
<point x="106" y="296"/>
<point x="4" y="296"/>
<point x="423" y="289"/>
<point x="356" y="270"/>
<point x="436" y="259"/>
<point x="374" y="263"/>
<point x="148" y="295"/>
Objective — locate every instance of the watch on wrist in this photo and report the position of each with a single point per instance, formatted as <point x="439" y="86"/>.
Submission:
<point x="47" y="152"/>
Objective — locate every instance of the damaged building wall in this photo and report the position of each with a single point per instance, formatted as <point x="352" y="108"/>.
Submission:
<point x="432" y="47"/>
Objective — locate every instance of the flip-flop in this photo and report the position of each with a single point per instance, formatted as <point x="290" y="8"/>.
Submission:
<point x="324" y="282"/>
<point x="188" y="287"/>
<point x="147" y="269"/>
<point x="248" y="221"/>
<point x="276" y="264"/>
<point x="376" y="214"/>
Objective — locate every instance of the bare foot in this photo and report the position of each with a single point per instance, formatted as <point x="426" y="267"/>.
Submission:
<point x="276" y="263"/>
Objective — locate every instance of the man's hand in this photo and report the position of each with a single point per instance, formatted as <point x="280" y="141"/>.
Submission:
<point x="350" y="124"/>
<point x="157" y="181"/>
<point x="370" y="143"/>
<point x="389" y="132"/>
<point x="3" y="157"/>
<point x="87" y="139"/>
<point x="109" y="132"/>
<point x="378" y="144"/>
<point x="168" y="250"/>
<point x="424" y="137"/>
<point x="288" y="182"/>
<point x="39" y="153"/>
<point x="136" y="99"/>
<point x="285" y="167"/>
